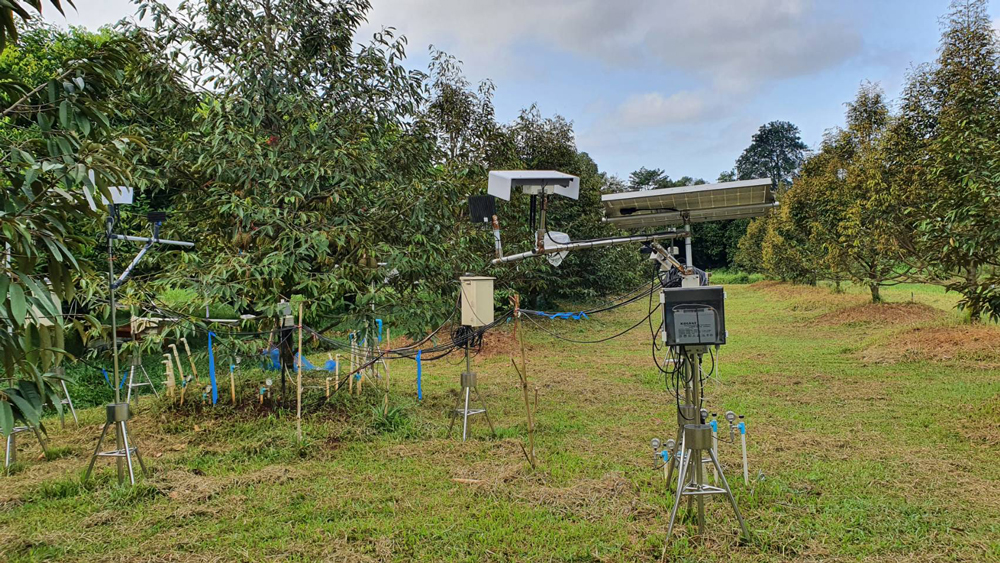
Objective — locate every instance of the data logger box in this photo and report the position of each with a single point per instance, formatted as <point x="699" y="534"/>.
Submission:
<point x="477" y="300"/>
<point x="694" y="316"/>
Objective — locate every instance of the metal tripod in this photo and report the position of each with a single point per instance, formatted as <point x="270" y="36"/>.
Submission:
<point x="468" y="386"/>
<point x="695" y="439"/>
<point x="691" y="481"/>
<point x="118" y="415"/>
<point x="67" y="400"/>
<point x="10" y="445"/>
<point x="134" y="383"/>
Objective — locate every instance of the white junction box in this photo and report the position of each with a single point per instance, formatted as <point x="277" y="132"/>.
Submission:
<point x="477" y="300"/>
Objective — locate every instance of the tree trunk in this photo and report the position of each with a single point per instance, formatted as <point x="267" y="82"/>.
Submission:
<point x="971" y="283"/>
<point x="876" y="295"/>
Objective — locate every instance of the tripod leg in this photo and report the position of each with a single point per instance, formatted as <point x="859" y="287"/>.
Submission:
<point x="150" y="382"/>
<point x="138" y="456"/>
<point x="465" y="415"/>
<point x="118" y="449"/>
<point x="97" y="450"/>
<point x="673" y="458"/>
<point x="69" y="400"/>
<point x="128" y="393"/>
<point x="128" y="453"/>
<point x="684" y="463"/>
<point x="9" y="450"/>
<point x="699" y="473"/>
<point x="486" y="412"/>
<point x="454" y="414"/>
<point x="729" y="495"/>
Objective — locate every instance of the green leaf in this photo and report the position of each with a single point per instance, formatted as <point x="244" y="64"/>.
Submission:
<point x="64" y="114"/>
<point x="26" y="409"/>
<point x="6" y="418"/>
<point x="18" y="308"/>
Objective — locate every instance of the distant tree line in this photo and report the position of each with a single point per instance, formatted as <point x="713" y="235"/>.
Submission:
<point x="907" y="191"/>
<point x="300" y="162"/>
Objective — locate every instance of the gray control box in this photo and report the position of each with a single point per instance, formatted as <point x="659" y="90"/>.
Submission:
<point x="694" y="315"/>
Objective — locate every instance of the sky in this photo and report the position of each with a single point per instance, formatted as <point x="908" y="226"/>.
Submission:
<point x="680" y="85"/>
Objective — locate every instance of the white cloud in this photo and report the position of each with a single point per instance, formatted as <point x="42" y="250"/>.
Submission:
<point x="95" y="13"/>
<point x="654" y="110"/>
<point x="735" y="43"/>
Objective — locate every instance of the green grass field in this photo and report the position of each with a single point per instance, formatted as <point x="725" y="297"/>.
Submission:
<point x="874" y="434"/>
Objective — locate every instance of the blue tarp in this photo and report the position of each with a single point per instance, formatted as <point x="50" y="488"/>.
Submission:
<point x="272" y="362"/>
<point x="574" y="316"/>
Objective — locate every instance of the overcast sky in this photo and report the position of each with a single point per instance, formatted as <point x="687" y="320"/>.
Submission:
<point x="673" y="84"/>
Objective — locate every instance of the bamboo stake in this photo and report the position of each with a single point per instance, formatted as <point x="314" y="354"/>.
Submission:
<point x="336" y="371"/>
<point x="298" y="383"/>
<point x="194" y="370"/>
<point x="232" y="383"/>
<point x="350" y="377"/>
<point x="177" y="358"/>
<point x="169" y="383"/>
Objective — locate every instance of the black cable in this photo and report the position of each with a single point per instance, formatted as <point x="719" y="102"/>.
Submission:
<point x="612" y="337"/>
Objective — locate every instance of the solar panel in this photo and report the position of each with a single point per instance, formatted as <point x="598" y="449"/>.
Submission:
<point x="702" y="203"/>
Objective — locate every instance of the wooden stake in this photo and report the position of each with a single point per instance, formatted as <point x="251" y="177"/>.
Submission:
<point x="298" y="383"/>
<point x="350" y="377"/>
<point x="194" y="370"/>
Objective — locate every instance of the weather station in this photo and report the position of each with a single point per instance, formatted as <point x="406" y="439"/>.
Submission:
<point x="693" y="320"/>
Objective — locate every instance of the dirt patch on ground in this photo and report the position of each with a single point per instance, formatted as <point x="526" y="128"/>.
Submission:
<point x="984" y="424"/>
<point x="807" y="297"/>
<point x="882" y="314"/>
<point x="501" y="342"/>
<point x="969" y="343"/>
<point x="190" y="487"/>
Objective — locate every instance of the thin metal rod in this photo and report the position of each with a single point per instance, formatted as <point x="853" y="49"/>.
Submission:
<point x="69" y="401"/>
<point x="599" y="243"/>
<point x="486" y="413"/>
<point x="97" y="450"/>
<point x="135" y="261"/>
<point x="689" y="261"/>
<point x="465" y="415"/>
<point x="128" y="452"/>
<point x="729" y="494"/>
<point x="684" y="466"/>
<point x="114" y="317"/>
<point x="155" y="240"/>
<point x="673" y="458"/>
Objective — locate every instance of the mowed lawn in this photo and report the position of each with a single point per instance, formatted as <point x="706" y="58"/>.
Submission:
<point x="874" y="434"/>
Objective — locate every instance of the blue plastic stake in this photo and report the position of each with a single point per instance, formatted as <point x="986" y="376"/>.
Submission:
<point x="379" y="323"/>
<point x="211" y="369"/>
<point x="420" y="393"/>
<point x="106" y="378"/>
